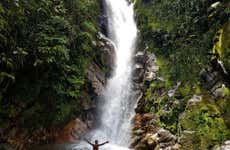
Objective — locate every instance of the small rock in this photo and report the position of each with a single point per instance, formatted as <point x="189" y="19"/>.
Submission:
<point x="152" y="139"/>
<point x="214" y="5"/>
<point x="172" y="92"/>
<point x="176" y="147"/>
<point x="188" y="132"/>
<point x="150" y="76"/>
<point x="94" y="43"/>
<point x="138" y="132"/>
<point x="195" y="99"/>
<point x="101" y="44"/>
<point x="153" y="68"/>
<point x="138" y="66"/>
<point x="160" y="79"/>
<point x="165" y="136"/>
<point x="220" y="92"/>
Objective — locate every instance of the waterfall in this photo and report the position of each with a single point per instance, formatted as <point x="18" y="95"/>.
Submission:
<point x="117" y="106"/>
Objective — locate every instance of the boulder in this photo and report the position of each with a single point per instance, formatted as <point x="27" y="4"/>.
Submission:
<point x="72" y="132"/>
<point x="215" y="5"/>
<point x="172" y="92"/>
<point x="194" y="99"/>
<point x="165" y="137"/>
<point x="151" y="139"/>
<point x="220" y="91"/>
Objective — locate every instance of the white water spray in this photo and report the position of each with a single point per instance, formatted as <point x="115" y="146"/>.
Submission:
<point x="117" y="107"/>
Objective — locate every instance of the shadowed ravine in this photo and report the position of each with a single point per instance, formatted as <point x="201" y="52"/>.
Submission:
<point x="117" y="107"/>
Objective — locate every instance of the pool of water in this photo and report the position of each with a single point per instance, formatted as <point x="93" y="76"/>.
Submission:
<point x="82" y="146"/>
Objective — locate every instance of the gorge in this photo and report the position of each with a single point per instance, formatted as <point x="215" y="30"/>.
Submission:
<point x="142" y="74"/>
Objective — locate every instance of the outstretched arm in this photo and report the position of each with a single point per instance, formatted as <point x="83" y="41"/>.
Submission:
<point x="88" y="142"/>
<point x="103" y="143"/>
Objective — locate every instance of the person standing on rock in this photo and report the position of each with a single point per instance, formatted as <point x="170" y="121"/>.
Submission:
<point x="96" y="145"/>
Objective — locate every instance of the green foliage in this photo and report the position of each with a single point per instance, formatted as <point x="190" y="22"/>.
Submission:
<point x="205" y="119"/>
<point x="165" y="107"/>
<point x="180" y="33"/>
<point x="45" y="48"/>
<point x="223" y="104"/>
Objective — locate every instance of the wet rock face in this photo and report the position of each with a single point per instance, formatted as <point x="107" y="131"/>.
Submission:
<point x="107" y="54"/>
<point x="145" y="68"/>
<point x="147" y="133"/>
<point x="96" y="77"/>
<point x="141" y="131"/>
<point x="95" y="73"/>
<point x="72" y="132"/>
<point x="140" y="57"/>
<point x="104" y="24"/>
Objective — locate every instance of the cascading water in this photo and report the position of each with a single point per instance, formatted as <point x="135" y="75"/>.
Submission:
<point x="117" y="107"/>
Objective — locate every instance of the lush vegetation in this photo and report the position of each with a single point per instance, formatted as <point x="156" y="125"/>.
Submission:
<point x="45" y="47"/>
<point x="180" y="33"/>
<point x="187" y="36"/>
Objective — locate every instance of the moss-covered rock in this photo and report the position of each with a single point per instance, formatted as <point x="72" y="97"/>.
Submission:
<point x="181" y="34"/>
<point x="224" y="104"/>
<point x="205" y="123"/>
